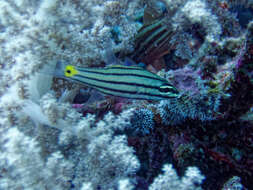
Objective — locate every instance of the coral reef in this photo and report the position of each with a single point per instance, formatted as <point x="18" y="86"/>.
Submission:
<point x="233" y="183"/>
<point x="55" y="134"/>
<point x="35" y="35"/>
<point x="137" y="123"/>
<point x="22" y="166"/>
<point x="191" y="180"/>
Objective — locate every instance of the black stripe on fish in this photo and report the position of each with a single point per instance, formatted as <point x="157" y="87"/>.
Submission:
<point x="122" y="74"/>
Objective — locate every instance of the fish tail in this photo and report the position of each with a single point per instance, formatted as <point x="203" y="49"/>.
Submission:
<point x="47" y="69"/>
<point x="59" y="69"/>
<point x="54" y="69"/>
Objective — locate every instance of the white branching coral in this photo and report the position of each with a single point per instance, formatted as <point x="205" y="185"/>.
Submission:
<point x="125" y="184"/>
<point x="109" y="159"/>
<point x="195" y="12"/>
<point x="170" y="181"/>
<point x="103" y="154"/>
<point x="22" y="166"/>
<point x="88" y="150"/>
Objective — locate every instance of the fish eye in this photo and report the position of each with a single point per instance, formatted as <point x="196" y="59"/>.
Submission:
<point x="70" y="71"/>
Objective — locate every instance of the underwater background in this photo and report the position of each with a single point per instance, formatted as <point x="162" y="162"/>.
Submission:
<point x="59" y="134"/>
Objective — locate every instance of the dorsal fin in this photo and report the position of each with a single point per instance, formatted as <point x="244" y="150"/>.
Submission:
<point x="129" y="62"/>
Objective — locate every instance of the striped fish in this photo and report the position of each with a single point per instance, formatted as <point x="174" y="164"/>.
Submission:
<point x="123" y="81"/>
<point x="152" y="41"/>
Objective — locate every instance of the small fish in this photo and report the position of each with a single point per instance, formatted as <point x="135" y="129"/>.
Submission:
<point x="152" y="40"/>
<point x="117" y="80"/>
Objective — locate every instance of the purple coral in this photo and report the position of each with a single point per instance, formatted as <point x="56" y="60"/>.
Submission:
<point x="185" y="79"/>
